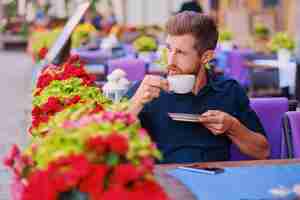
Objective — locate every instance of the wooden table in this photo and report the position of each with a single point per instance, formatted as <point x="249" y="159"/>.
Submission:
<point x="177" y="191"/>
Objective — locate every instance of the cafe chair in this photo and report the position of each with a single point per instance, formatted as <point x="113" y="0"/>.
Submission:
<point x="264" y="82"/>
<point x="98" y="56"/>
<point x="134" y="68"/>
<point x="270" y="111"/>
<point x="237" y="69"/>
<point x="291" y="129"/>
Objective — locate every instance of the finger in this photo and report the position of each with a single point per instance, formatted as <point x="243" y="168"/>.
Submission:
<point x="147" y="88"/>
<point x="155" y="92"/>
<point x="214" y="130"/>
<point x="210" y="119"/>
<point x="158" y="82"/>
<point x="147" y="95"/>
<point x="151" y="92"/>
<point x="211" y="126"/>
<point x="210" y="113"/>
<point x="164" y="84"/>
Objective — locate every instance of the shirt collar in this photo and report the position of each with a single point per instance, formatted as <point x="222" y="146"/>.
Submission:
<point x="212" y="81"/>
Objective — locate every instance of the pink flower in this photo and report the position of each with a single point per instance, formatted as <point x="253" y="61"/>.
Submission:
<point x="147" y="165"/>
<point x="131" y="119"/>
<point x="17" y="188"/>
<point x="143" y="133"/>
<point x="69" y="124"/>
<point x="13" y="155"/>
<point x="109" y="116"/>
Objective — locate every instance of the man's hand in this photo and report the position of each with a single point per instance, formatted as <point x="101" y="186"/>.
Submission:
<point x="217" y="122"/>
<point x="149" y="89"/>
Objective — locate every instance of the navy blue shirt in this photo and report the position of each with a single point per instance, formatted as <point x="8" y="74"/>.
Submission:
<point x="183" y="142"/>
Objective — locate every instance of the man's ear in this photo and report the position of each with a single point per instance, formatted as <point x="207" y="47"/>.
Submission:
<point x="207" y="56"/>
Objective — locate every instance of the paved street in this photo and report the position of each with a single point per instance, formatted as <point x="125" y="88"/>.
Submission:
<point x="15" y="72"/>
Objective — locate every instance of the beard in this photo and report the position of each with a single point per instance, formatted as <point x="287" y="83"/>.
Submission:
<point x="175" y="70"/>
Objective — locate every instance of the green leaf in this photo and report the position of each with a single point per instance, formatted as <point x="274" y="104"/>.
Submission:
<point x="112" y="159"/>
<point x="73" y="195"/>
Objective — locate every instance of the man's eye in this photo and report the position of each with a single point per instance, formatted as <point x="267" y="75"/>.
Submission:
<point x="181" y="52"/>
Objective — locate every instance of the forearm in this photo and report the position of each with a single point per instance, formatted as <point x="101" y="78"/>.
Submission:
<point x="135" y="107"/>
<point x="251" y="143"/>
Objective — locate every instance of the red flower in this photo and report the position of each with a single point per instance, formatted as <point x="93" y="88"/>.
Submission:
<point x="42" y="53"/>
<point x="117" y="143"/>
<point x="73" y="58"/>
<point x="36" y="111"/>
<point x="117" y="192"/>
<point x="40" y="187"/>
<point x="125" y="174"/>
<point x="89" y="79"/>
<point x="52" y="106"/>
<point x="93" y="184"/>
<point x="148" y="190"/>
<point x="44" y="80"/>
<point x="39" y="119"/>
<point x="66" y="172"/>
<point x="97" y="109"/>
<point x="97" y="144"/>
<point x="71" y="71"/>
<point x="73" y="100"/>
<point x="42" y="114"/>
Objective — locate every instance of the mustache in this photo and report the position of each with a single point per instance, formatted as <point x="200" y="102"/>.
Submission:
<point x="173" y="69"/>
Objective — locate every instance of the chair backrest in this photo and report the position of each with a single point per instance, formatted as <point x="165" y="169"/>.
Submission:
<point x="236" y="63"/>
<point x="270" y="111"/>
<point x="92" y="57"/>
<point x="135" y="68"/>
<point x="264" y="78"/>
<point x="292" y="133"/>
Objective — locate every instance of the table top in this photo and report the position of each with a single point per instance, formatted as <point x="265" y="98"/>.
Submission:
<point x="177" y="191"/>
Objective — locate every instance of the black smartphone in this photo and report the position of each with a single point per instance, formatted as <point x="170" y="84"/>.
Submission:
<point x="203" y="170"/>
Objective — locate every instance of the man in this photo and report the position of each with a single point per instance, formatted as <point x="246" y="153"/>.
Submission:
<point x="226" y="116"/>
<point x="193" y="5"/>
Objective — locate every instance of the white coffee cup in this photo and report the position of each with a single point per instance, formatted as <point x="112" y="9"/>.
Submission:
<point x="181" y="84"/>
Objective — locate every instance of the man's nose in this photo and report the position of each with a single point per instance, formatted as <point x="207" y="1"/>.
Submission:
<point x="172" y="58"/>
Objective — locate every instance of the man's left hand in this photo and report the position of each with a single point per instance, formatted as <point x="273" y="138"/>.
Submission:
<point x="217" y="122"/>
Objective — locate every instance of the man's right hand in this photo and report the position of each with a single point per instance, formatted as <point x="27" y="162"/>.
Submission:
<point x="148" y="90"/>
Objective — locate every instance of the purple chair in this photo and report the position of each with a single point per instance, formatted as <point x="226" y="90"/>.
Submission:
<point x="292" y="133"/>
<point x="237" y="69"/>
<point x="135" y="68"/>
<point x="270" y="111"/>
<point x="93" y="56"/>
<point x="129" y="50"/>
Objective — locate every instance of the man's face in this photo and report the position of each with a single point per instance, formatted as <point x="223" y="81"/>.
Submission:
<point x="182" y="55"/>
